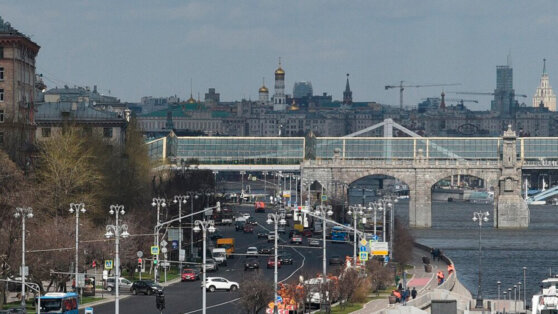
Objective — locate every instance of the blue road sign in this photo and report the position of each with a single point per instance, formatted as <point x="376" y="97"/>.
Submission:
<point x="363" y="249"/>
<point x="174" y="244"/>
<point x="279" y="299"/>
<point x="375" y="237"/>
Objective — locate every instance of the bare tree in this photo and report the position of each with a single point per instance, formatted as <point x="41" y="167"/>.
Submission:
<point x="403" y="243"/>
<point x="255" y="293"/>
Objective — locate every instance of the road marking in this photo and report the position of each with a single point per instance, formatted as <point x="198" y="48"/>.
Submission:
<point x="212" y="306"/>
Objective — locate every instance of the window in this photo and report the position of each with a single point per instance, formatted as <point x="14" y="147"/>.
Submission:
<point x="1" y="115"/>
<point x="107" y="132"/>
<point x="1" y="95"/>
<point x="1" y="52"/>
<point x="1" y="74"/>
<point x="45" y="132"/>
<point x="1" y="138"/>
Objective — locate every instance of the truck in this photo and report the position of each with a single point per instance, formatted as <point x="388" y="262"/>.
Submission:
<point x="227" y="244"/>
<point x="220" y="256"/>
<point x="259" y="207"/>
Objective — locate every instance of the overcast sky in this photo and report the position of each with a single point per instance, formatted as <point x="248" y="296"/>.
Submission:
<point x="146" y="47"/>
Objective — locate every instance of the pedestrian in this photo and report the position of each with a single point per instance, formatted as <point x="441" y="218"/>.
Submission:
<point x="400" y="287"/>
<point x="432" y="253"/>
<point x="397" y="295"/>
<point x="414" y="293"/>
<point x="451" y="268"/>
<point x="404" y="297"/>
<point x="440" y="276"/>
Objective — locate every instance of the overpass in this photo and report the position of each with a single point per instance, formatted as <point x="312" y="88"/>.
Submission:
<point x="419" y="162"/>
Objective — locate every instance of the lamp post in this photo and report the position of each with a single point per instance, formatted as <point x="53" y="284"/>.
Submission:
<point x="515" y="298"/>
<point x="205" y="226"/>
<point x="180" y="199"/>
<point x="215" y="172"/>
<point x="498" y="283"/>
<point x="509" y="294"/>
<point x="23" y="212"/>
<point x="324" y="211"/>
<point x="192" y="196"/>
<point x="77" y="207"/>
<point x="480" y="217"/>
<point x="157" y="202"/>
<point x="519" y="290"/>
<point x="354" y="212"/>
<point x="117" y="231"/>
<point x="524" y="287"/>
<point x="242" y="173"/>
<point x="265" y="173"/>
<point x="276" y="219"/>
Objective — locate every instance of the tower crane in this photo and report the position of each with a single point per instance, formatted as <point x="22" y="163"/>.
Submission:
<point x="402" y="88"/>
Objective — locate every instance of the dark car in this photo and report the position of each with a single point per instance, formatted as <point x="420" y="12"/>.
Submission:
<point x="248" y="228"/>
<point x="271" y="262"/>
<point x="189" y="274"/>
<point x="335" y="260"/>
<point x="251" y="221"/>
<point x="147" y="287"/>
<point x="285" y="258"/>
<point x="216" y="236"/>
<point x="293" y="232"/>
<point x="262" y="235"/>
<point x="296" y="239"/>
<point x="265" y="250"/>
<point x="307" y="232"/>
<point x="251" y="263"/>
<point x="239" y="225"/>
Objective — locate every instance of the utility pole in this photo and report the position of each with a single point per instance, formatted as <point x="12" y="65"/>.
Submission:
<point x="180" y="199"/>
<point x="157" y="202"/>
<point x="77" y="207"/>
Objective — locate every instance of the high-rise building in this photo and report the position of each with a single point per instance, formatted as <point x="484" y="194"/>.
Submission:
<point x="347" y="94"/>
<point x="212" y="98"/>
<point x="544" y="96"/>
<point x="302" y="89"/>
<point x="504" y="95"/>
<point x="279" y="99"/>
<point x="17" y="92"/>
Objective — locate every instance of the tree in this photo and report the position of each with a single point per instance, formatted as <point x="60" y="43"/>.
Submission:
<point x="255" y="293"/>
<point x="403" y="243"/>
<point x="349" y="281"/>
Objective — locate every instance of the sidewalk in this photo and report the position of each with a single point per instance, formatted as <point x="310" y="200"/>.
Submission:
<point x="422" y="281"/>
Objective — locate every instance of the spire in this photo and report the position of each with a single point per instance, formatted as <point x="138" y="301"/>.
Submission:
<point x="347" y="94"/>
<point x="347" y="87"/>
<point x="443" y="102"/>
<point x="544" y="66"/>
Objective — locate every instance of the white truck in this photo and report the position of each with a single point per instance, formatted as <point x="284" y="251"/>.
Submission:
<point x="220" y="255"/>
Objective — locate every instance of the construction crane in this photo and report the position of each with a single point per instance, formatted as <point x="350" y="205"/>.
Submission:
<point x="488" y="94"/>
<point x="455" y="99"/>
<point x="402" y="88"/>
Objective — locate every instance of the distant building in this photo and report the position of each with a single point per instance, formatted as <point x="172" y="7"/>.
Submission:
<point x="347" y="94"/>
<point x="279" y="98"/>
<point x="302" y="90"/>
<point x="263" y="94"/>
<point x="211" y="98"/>
<point x="150" y="104"/>
<point x="504" y="95"/>
<point x="544" y="96"/>
<point x="17" y="92"/>
<point x="84" y="94"/>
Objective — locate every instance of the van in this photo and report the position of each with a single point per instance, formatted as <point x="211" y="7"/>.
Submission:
<point x="220" y="255"/>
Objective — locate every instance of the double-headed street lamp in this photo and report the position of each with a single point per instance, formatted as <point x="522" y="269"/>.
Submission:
<point x="325" y="211"/>
<point x="205" y="226"/>
<point x="23" y="212"/>
<point x="480" y="217"/>
<point x="242" y="173"/>
<point x="276" y="219"/>
<point x="524" y="287"/>
<point x="192" y="196"/>
<point x="355" y="212"/>
<point x="157" y="202"/>
<point x="117" y="231"/>
<point x="180" y="199"/>
<point x="77" y="208"/>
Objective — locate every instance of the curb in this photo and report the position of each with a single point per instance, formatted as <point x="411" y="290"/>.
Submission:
<point x="122" y="297"/>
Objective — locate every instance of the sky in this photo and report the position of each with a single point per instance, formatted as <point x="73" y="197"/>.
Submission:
<point x="157" y="47"/>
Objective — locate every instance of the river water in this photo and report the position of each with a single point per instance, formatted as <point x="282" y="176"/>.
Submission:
<point x="504" y="252"/>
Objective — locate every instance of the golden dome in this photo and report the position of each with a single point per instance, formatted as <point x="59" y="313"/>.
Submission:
<point x="263" y="89"/>
<point x="279" y="71"/>
<point x="191" y="100"/>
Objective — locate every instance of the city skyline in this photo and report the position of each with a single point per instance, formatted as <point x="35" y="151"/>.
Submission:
<point x="232" y="46"/>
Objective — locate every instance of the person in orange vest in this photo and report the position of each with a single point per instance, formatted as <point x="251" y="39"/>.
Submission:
<point x="440" y="276"/>
<point x="397" y="295"/>
<point x="451" y="268"/>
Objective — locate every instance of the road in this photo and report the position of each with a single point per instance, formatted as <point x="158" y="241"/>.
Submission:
<point x="186" y="297"/>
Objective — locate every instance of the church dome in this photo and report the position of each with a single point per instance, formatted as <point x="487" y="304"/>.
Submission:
<point x="279" y="71"/>
<point x="263" y="89"/>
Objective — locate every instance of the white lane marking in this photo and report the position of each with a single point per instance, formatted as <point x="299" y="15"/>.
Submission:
<point x="216" y="305"/>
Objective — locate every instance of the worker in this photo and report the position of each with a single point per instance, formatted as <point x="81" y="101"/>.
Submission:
<point x="440" y="276"/>
<point x="397" y="295"/>
<point x="451" y="269"/>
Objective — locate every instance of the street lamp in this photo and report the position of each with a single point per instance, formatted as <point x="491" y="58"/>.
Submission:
<point x="180" y="199"/>
<point x="480" y="217"/>
<point x="215" y="172"/>
<point x="205" y="226"/>
<point x="498" y="283"/>
<point x="23" y="212"/>
<point x="242" y="173"/>
<point x="77" y="207"/>
<point x="324" y="211"/>
<point x="265" y="173"/>
<point x="519" y="290"/>
<point x="276" y="219"/>
<point x="524" y="287"/>
<point x="117" y="231"/>
<point x="355" y="212"/>
<point x="157" y="202"/>
<point x="193" y="196"/>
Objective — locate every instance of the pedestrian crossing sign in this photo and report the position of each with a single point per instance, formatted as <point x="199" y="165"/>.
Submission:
<point x="154" y="250"/>
<point x="108" y="264"/>
<point x="363" y="242"/>
<point x="363" y="256"/>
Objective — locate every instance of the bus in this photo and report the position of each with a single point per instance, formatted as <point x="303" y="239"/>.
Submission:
<point x="59" y="302"/>
<point x="339" y="234"/>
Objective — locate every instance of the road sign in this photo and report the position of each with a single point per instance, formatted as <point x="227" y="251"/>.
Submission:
<point x="363" y="256"/>
<point x="108" y="264"/>
<point x="80" y="280"/>
<point x="386" y="259"/>
<point x="154" y="250"/>
<point x="174" y="244"/>
<point x="363" y="248"/>
<point x="164" y="243"/>
<point x="324" y="198"/>
<point x="164" y="250"/>
<point x="363" y="242"/>
<point x="379" y="248"/>
<point x="139" y="254"/>
<point x="25" y="271"/>
<point x="375" y="237"/>
<point x="181" y="255"/>
<point x="279" y="299"/>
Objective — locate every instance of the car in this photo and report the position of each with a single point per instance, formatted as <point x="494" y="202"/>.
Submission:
<point x="271" y="237"/>
<point x="281" y="230"/>
<point x="252" y="250"/>
<point x="190" y="274"/>
<point x="248" y="228"/>
<point x="251" y="221"/>
<point x="335" y="260"/>
<point x="262" y="235"/>
<point x="296" y="239"/>
<point x="211" y="265"/>
<point x="239" y="225"/>
<point x="265" y="250"/>
<point x="220" y="283"/>
<point x="147" y="287"/>
<point x="289" y="214"/>
<point x="307" y="232"/>
<point x="216" y="236"/>
<point x="314" y="242"/>
<point x="245" y="215"/>
<point x="271" y="262"/>
<point x="124" y="284"/>
<point x="285" y="258"/>
<point x="251" y="263"/>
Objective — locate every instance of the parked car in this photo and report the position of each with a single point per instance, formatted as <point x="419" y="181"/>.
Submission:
<point x="239" y="225"/>
<point x="220" y="283"/>
<point x="252" y="250"/>
<point x="314" y="242"/>
<point x="147" y="287"/>
<point x="211" y="265"/>
<point x="262" y="235"/>
<point x="248" y="228"/>
<point x="265" y="250"/>
<point x="271" y="262"/>
<point x="216" y="236"/>
<point x="124" y="284"/>
<point x="307" y="232"/>
<point x="190" y="274"/>
<point x="285" y="258"/>
<point x="251" y="221"/>
<point x="335" y="260"/>
<point x="251" y="263"/>
<point x="271" y="237"/>
<point x="296" y="239"/>
<point x="245" y="215"/>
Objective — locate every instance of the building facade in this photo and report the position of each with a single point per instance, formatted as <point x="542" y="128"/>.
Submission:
<point x="544" y="95"/>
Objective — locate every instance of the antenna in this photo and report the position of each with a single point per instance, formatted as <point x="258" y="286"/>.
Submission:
<point x="509" y="58"/>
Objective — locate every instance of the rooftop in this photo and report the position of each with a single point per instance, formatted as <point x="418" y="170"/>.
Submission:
<point x="75" y="111"/>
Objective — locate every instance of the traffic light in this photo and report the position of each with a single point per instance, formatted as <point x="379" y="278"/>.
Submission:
<point x="160" y="301"/>
<point x="155" y="261"/>
<point x="140" y="262"/>
<point x="94" y="264"/>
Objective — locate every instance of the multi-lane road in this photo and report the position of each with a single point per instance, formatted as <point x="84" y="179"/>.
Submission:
<point x="186" y="297"/>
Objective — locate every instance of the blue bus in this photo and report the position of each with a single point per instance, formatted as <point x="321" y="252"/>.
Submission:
<point x="339" y="234"/>
<point x="59" y="302"/>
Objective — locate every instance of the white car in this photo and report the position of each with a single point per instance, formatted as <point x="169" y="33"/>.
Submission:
<point x="252" y="250"/>
<point x="220" y="283"/>
<point x="245" y="215"/>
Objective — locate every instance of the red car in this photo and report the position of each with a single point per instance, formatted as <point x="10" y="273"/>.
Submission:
<point x="190" y="275"/>
<point x="271" y="262"/>
<point x="307" y="232"/>
<point x="248" y="228"/>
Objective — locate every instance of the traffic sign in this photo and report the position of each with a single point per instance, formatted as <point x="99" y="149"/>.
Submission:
<point x="164" y="243"/>
<point x="363" y="249"/>
<point x="279" y="299"/>
<point x="139" y="254"/>
<point x="174" y="244"/>
<point x="154" y="250"/>
<point x="375" y="237"/>
<point x="363" y="242"/>
<point x="80" y="280"/>
<point x="108" y="264"/>
<point x="181" y="255"/>
<point x="324" y="198"/>
<point x="164" y="250"/>
<point x="379" y="248"/>
<point x="363" y="256"/>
